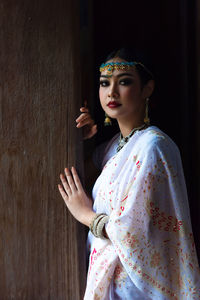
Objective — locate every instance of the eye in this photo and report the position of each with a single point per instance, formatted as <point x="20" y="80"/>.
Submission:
<point x="104" y="83"/>
<point x="125" y="81"/>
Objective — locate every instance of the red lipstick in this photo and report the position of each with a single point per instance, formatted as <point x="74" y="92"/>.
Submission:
<point x="113" y="104"/>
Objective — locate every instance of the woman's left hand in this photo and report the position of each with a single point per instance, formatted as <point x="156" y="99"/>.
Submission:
<point x="72" y="192"/>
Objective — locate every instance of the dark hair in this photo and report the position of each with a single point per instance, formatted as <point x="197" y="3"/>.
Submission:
<point x="129" y="55"/>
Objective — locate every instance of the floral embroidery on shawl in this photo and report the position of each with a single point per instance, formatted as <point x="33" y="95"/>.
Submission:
<point x="120" y="276"/>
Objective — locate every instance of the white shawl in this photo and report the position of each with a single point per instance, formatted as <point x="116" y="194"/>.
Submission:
<point x="150" y="253"/>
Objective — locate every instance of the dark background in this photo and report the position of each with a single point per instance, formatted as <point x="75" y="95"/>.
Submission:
<point x="161" y="30"/>
<point x="165" y="31"/>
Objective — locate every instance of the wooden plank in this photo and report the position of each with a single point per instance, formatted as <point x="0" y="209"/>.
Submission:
<point x="42" y="254"/>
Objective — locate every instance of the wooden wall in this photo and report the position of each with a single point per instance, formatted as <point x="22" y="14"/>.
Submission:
<point x="42" y="252"/>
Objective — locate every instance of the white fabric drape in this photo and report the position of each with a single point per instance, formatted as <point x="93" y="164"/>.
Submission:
<point x="150" y="253"/>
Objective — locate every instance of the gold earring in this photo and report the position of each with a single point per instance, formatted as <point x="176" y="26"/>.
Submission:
<point x="107" y="121"/>
<point x="146" y="118"/>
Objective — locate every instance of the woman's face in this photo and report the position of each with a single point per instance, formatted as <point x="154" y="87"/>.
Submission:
<point x="121" y="94"/>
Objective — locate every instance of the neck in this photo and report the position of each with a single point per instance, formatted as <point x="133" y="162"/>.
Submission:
<point x="127" y="126"/>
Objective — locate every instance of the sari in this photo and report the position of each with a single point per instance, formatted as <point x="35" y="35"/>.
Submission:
<point x="150" y="251"/>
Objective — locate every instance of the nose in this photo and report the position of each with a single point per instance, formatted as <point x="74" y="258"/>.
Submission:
<point x="113" y="91"/>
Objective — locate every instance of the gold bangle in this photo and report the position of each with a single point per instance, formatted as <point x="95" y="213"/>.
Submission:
<point x="97" y="224"/>
<point x="100" y="227"/>
<point x="93" y="220"/>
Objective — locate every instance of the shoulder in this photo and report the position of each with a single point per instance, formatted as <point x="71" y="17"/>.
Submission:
<point x="154" y="138"/>
<point x="154" y="144"/>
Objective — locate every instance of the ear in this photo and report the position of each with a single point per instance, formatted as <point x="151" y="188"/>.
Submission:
<point x="148" y="89"/>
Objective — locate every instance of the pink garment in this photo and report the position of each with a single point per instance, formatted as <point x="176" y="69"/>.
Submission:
<point x="150" y="253"/>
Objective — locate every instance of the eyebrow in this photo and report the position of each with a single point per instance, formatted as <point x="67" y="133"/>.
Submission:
<point x="119" y="75"/>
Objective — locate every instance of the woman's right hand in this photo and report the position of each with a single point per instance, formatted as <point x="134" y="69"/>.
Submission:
<point x="85" y="120"/>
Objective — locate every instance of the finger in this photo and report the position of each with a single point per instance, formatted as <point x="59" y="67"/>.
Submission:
<point x="65" y="185"/>
<point x="82" y="117"/>
<point x="94" y="129"/>
<point x="62" y="192"/>
<point x="84" y="109"/>
<point x="86" y="121"/>
<point x="77" y="179"/>
<point x="70" y="180"/>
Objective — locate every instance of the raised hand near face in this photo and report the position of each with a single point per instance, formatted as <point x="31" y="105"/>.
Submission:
<point x="86" y="122"/>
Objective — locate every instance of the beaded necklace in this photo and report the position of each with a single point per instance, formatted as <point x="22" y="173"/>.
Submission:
<point x="124" y="140"/>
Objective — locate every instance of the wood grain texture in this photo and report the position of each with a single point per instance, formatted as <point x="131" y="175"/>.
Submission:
<point x="42" y="252"/>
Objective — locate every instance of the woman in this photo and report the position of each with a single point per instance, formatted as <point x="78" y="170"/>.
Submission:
<point x="140" y="240"/>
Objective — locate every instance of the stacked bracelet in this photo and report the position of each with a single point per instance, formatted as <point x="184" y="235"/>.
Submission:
<point x="97" y="225"/>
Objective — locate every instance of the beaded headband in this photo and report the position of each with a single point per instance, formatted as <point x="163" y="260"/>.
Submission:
<point x="110" y="67"/>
